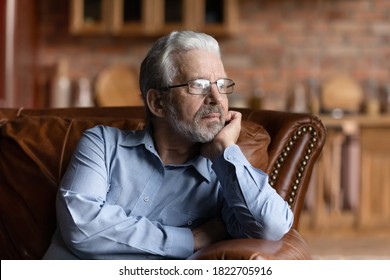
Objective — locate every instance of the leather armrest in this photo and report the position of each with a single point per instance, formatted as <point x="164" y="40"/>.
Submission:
<point x="291" y="247"/>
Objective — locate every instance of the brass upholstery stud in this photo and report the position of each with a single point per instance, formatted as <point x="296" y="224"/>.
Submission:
<point x="301" y="168"/>
<point x="292" y="194"/>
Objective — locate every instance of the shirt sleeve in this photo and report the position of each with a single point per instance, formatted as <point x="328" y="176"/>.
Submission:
<point x="252" y="207"/>
<point x="92" y="228"/>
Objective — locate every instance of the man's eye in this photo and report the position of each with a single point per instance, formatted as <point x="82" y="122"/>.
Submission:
<point x="199" y="85"/>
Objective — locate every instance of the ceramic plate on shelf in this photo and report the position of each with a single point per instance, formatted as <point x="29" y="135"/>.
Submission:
<point x="117" y="85"/>
<point x="342" y="92"/>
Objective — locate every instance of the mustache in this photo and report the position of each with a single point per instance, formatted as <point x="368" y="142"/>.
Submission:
<point x="208" y="109"/>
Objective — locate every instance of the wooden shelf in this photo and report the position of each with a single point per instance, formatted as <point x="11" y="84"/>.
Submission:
<point x="360" y="120"/>
<point x="153" y="17"/>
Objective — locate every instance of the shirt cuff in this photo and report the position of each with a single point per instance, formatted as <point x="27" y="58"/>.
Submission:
<point x="180" y="242"/>
<point x="234" y="155"/>
<point x="231" y="156"/>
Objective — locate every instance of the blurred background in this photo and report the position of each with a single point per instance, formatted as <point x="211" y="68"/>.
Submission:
<point x="327" y="57"/>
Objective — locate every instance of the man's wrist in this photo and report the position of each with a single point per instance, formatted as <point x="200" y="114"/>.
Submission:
<point x="219" y="149"/>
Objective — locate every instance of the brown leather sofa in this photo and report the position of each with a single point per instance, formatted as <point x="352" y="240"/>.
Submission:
<point x="36" y="145"/>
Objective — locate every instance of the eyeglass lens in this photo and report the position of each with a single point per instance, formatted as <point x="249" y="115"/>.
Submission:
<point x="202" y="86"/>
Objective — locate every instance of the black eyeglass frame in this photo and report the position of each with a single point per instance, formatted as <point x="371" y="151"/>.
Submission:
<point x="210" y="83"/>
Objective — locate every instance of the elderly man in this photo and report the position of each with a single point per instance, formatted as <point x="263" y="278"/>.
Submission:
<point x="180" y="184"/>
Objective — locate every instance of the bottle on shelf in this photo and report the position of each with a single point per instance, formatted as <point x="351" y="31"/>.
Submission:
<point x="372" y="102"/>
<point x="386" y="99"/>
<point x="84" y="95"/>
<point x="298" y="98"/>
<point x="61" y="95"/>
<point x="314" y="89"/>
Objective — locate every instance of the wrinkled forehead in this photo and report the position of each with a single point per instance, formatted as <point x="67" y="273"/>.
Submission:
<point x="196" y="64"/>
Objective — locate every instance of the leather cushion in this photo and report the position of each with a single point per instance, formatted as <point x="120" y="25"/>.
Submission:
<point x="34" y="153"/>
<point x="254" y="141"/>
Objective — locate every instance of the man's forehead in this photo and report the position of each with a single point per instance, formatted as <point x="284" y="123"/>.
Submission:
<point x="199" y="64"/>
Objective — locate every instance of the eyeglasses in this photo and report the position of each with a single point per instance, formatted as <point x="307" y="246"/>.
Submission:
<point x="203" y="86"/>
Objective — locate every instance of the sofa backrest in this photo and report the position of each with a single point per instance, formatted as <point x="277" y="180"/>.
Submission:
<point x="35" y="149"/>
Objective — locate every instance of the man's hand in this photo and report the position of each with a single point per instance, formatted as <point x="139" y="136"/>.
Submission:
<point x="209" y="233"/>
<point x="226" y="137"/>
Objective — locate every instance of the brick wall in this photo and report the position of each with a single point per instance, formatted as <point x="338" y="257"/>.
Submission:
<point x="280" y="43"/>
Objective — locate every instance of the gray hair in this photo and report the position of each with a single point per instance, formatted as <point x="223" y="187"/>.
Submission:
<point x="160" y="66"/>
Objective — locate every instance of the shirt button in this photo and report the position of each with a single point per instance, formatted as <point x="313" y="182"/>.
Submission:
<point x="189" y="222"/>
<point x="146" y="199"/>
<point x="230" y="157"/>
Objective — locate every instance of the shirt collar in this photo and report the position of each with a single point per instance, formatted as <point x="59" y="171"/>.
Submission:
<point x="203" y="166"/>
<point x="138" y="137"/>
<point x="144" y="137"/>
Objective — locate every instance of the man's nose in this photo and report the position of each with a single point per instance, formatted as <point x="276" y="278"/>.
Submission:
<point x="213" y="96"/>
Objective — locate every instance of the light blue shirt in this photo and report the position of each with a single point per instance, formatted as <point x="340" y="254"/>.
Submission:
<point x="118" y="200"/>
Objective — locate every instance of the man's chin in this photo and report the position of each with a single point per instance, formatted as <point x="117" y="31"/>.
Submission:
<point x="210" y="132"/>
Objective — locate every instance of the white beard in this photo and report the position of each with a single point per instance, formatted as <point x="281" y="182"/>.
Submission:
<point x="194" y="131"/>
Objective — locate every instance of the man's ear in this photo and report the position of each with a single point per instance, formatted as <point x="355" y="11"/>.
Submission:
<point x="155" y="103"/>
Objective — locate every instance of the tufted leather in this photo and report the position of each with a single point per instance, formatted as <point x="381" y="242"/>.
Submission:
<point x="36" y="146"/>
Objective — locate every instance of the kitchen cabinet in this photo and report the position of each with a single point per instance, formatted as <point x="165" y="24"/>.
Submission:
<point x="90" y="16"/>
<point x="351" y="181"/>
<point x="153" y="17"/>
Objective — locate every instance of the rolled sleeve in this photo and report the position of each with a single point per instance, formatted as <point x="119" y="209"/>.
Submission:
<point x="180" y="242"/>
<point x="253" y="208"/>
